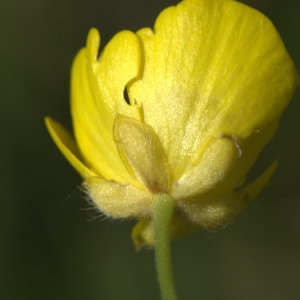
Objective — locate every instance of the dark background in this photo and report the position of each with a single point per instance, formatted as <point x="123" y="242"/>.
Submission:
<point x="52" y="246"/>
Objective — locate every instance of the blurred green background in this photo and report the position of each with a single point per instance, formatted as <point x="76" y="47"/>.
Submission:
<point x="53" y="246"/>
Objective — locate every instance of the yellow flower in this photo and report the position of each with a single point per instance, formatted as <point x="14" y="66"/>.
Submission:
<point x="183" y="109"/>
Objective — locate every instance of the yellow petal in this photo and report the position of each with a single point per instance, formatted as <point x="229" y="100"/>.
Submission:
<point x="223" y="166"/>
<point x="142" y="152"/>
<point x="118" y="200"/>
<point x="142" y="234"/>
<point x="250" y="192"/>
<point x="97" y="95"/>
<point x="217" y="212"/>
<point x="251" y="148"/>
<point x="211" y="67"/>
<point x="67" y="146"/>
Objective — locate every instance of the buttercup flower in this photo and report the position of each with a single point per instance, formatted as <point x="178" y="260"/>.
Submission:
<point x="184" y="109"/>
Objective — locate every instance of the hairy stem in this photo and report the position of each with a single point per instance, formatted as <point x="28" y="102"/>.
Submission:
<point x="163" y="208"/>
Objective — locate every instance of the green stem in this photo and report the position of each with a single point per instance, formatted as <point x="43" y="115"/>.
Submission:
<point x="163" y="208"/>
